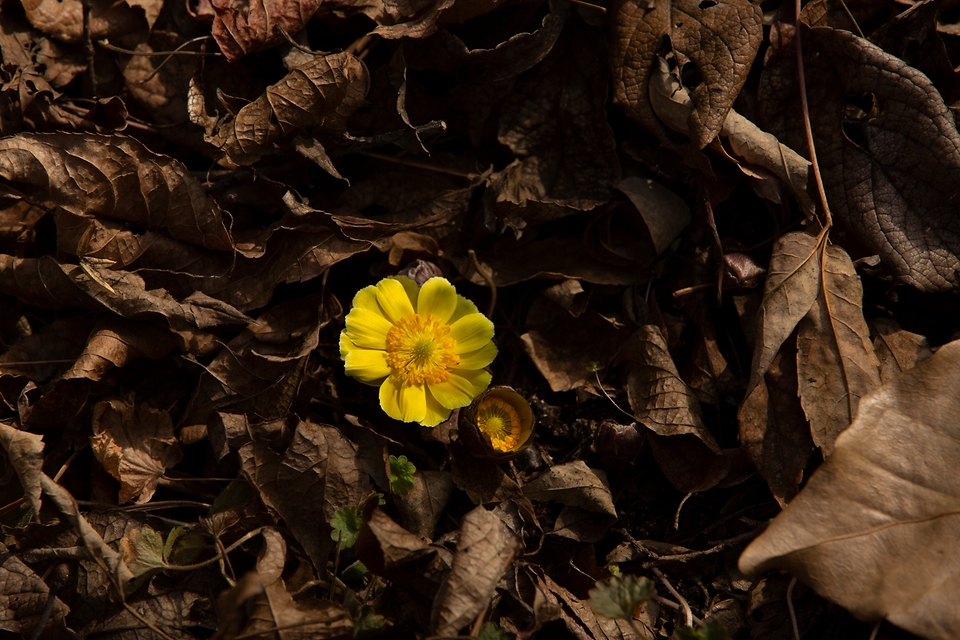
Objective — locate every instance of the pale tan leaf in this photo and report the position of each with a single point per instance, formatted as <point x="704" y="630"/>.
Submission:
<point x="836" y="365"/>
<point x="135" y="445"/>
<point x="573" y="484"/>
<point x="897" y="349"/>
<point x="793" y="283"/>
<point x="25" y="454"/>
<point x="485" y="548"/>
<point x="875" y="528"/>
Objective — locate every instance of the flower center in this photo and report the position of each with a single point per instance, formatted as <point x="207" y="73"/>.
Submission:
<point x="500" y="422"/>
<point x="419" y="351"/>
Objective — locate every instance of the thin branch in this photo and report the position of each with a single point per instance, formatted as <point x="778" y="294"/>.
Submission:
<point x="793" y="614"/>
<point x="676" y="594"/>
<point x="489" y="280"/>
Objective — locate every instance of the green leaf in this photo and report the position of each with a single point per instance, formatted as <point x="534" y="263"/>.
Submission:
<point x="183" y="546"/>
<point x="711" y="630"/>
<point x="143" y="551"/>
<point x="357" y="573"/>
<point x="401" y="475"/>
<point x="618" y="596"/>
<point x="346" y="525"/>
<point x="492" y="631"/>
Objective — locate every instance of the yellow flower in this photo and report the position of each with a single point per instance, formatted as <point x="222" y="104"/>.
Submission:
<point x="504" y="419"/>
<point x="424" y="347"/>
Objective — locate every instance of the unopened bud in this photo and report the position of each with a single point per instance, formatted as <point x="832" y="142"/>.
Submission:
<point x="421" y="271"/>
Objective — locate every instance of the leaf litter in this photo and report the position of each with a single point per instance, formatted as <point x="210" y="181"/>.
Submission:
<point x="191" y="196"/>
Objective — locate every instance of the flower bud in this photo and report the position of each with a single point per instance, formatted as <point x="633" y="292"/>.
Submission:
<point x="420" y="271"/>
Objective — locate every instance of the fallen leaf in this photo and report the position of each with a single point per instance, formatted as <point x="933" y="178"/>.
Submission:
<point x="242" y="28"/>
<point x="720" y="40"/>
<point x="886" y="169"/>
<point x="897" y="349"/>
<point x="113" y="177"/>
<point x="874" y="528"/>
<point x="423" y="506"/>
<point x="836" y="365"/>
<point x="25" y="453"/>
<point x="792" y="287"/>
<point x="485" y="548"/>
<point x="573" y="484"/>
<point x="25" y="599"/>
<point x="384" y="546"/>
<point x="773" y="427"/>
<point x="664" y="212"/>
<point x="64" y="20"/>
<point x="318" y="96"/>
<point x="135" y="445"/>
<point x="313" y="477"/>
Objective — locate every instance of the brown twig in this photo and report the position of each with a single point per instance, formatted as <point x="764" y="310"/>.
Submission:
<point x="489" y="280"/>
<point x="793" y="614"/>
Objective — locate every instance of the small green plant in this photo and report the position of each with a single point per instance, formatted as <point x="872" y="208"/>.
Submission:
<point x="711" y="630"/>
<point x="492" y="631"/>
<point x="346" y="525"/>
<point x="619" y="596"/>
<point x="401" y="475"/>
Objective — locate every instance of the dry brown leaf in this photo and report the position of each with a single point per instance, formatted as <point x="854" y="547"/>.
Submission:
<point x="792" y="287"/>
<point x="485" y="548"/>
<point x="423" y="506"/>
<point x="875" y="528"/>
<point x="664" y="213"/>
<point x="574" y="484"/>
<point x="109" y="561"/>
<point x="720" y="40"/>
<point x="564" y="347"/>
<point x="554" y="123"/>
<point x="897" y="349"/>
<point x="259" y="371"/>
<point x="774" y="429"/>
<point x="836" y="365"/>
<point x="315" y="475"/>
<point x="116" y="178"/>
<point x="24" y="597"/>
<point x="260" y="603"/>
<point x="384" y="546"/>
<point x="661" y="401"/>
<point x="25" y="454"/>
<point x="135" y="445"/>
<point x="318" y="96"/>
<point x="887" y="145"/>
<point x="242" y="28"/>
<point x="63" y="20"/>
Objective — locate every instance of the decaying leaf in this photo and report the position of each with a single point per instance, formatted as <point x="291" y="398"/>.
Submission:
<point x="874" y="528"/>
<point x="836" y="365"/>
<point x="25" y="452"/>
<point x="116" y="178"/>
<point x="422" y="507"/>
<point x="318" y="96"/>
<point x="887" y="164"/>
<point x="574" y="484"/>
<point x="25" y="599"/>
<point x="242" y="28"/>
<point x="306" y="484"/>
<point x="135" y="445"/>
<point x="717" y="39"/>
<point x="485" y="548"/>
<point x="897" y="349"/>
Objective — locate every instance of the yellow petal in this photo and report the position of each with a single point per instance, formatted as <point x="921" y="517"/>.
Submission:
<point x="471" y="332"/>
<point x="393" y="299"/>
<point x="390" y="397"/>
<point x="436" y="412"/>
<point x="478" y="359"/>
<point x="413" y="402"/>
<point x="461" y="388"/>
<point x="366" y="298"/>
<point x="366" y="365"/>
<point x="437" y="297"/>
<point x="367" y="329"/>
<point x="411" y="287"/>
<point x="464" y="307"/>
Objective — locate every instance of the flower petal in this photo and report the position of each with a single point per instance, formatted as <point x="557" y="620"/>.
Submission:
<point x="411" y="287"/>
<point x="437" y="297"/>
<point x="390" y="397"/>
<point x="367" y="329"/>
<point x="413" y="402"/>
<point x="478" y="359"/>
<point x="436" y="412"/>
<point x="464" y="307"/>
<point x="471" y="332"/>
<point x="366" y="298"/>
<point x="393" y="299"/>
<point x="460" y="388"/>
<point x="366" y="365"/>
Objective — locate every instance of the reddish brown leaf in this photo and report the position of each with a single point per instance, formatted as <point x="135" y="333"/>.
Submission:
<point x="24" y="597"/>
<point x="242" y="28"/>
